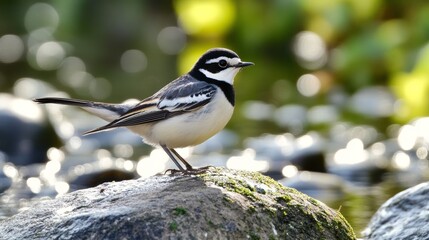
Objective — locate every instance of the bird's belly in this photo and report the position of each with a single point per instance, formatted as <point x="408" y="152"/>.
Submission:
<point x="188" y="129"/>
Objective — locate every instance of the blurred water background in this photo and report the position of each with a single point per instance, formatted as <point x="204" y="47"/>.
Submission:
<point x="335" y="105"/>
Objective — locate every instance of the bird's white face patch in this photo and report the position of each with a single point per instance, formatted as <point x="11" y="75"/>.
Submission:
<point x="226" y="75"/>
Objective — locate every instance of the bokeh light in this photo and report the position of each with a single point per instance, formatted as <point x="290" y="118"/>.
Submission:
<point x="27" y="110"/>
<point x="248" y="162"/>
<point x="123" y="150"/>
<point x="62" y="187"/>
<point x="30" y="88"/>
<point x="407" y="137"/>
<point x="100" y="88"/>
<point x="129" y="165"/>
<point x="49" y="55"/>
<point x="289" y="171"/>
<point x="378" y="149"/>
<point x="155" y="163"/>
<point x="171" y="40"/>
<point x="133" y="61"/>
<point x="310" y="50"/>
<point x="401" y="160"/>
<point x="53" y="166"/>
<point x="41" y="15"/>
<point x="69" y="66"/>
<point x="35" y="184"/>
<point x="256" y="110"/>
<point x="209" y="18"/>
<point x="80" y="80"/>
<point x="11" y="48"/>
<point x="308" y="85"/>
<point x="422" y="152"/>
<point x="353" y="153"/>
<point x="10" y="171"/>
<point x="324" y="114"/>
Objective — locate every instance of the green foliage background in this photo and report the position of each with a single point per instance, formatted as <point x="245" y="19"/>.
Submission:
<point x="367" y="43"/>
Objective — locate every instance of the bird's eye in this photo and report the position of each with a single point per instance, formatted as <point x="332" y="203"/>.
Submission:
<point x="223" y="63"/>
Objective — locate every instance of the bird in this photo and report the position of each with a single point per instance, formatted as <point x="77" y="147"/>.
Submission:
<point x="185" y="112"/>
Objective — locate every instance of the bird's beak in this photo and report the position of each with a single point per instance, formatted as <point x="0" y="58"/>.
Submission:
<point x="243" y="64"/>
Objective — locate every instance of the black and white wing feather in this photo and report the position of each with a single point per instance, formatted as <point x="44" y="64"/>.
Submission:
<point x="187" y="98"/>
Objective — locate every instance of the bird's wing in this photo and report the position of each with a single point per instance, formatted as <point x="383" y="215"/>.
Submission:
<point x="172" y="101"/>
<point x="188" y="97"/>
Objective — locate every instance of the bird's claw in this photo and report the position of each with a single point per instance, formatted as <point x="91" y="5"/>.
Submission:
<point x="190" y="171"/>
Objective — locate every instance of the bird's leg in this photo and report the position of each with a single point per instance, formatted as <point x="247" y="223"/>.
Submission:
<point x="168" y="151"/>
<point x="188" y="166"/>
<point x="174" y="155"/>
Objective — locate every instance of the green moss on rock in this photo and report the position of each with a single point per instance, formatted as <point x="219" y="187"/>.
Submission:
<point x="291" y="211"/>
<point x="179" y="211"/>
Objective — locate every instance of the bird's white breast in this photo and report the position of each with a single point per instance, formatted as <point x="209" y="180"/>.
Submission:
<point x="191" y="128"/>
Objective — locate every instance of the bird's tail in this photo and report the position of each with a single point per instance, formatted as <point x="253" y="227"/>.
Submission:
<point x="106" y="111"/>
<point x="65" y="101"/>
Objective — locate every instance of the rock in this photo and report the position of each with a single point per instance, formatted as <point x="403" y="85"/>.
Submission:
<point x="218" y="204"/>
<point x="5" y="181"/>
<point x="24" y="136"/>
<point x="404" y="216"/>
<point x="94" y="178"/>
<point x="310" y="161"/>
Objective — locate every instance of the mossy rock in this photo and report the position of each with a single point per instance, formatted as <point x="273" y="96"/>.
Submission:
<point x="219" y="204"/>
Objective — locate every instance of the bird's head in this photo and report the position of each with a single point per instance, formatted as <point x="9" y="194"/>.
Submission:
<point x="219" y="64"/>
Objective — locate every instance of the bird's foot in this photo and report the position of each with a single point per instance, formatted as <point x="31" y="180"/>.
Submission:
<point x="189" y="171"/>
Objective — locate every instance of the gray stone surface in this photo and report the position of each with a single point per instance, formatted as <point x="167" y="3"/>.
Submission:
<point x="219" y="204"/>
<point x="404" y="216"/>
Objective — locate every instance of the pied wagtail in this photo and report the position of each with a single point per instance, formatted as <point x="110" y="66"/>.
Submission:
<point x="185" y="112"/>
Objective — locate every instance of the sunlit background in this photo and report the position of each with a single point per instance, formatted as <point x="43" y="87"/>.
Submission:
<point x="335" y="105"/>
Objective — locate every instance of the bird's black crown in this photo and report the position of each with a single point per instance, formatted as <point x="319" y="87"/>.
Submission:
<point x="212" y="67"/>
